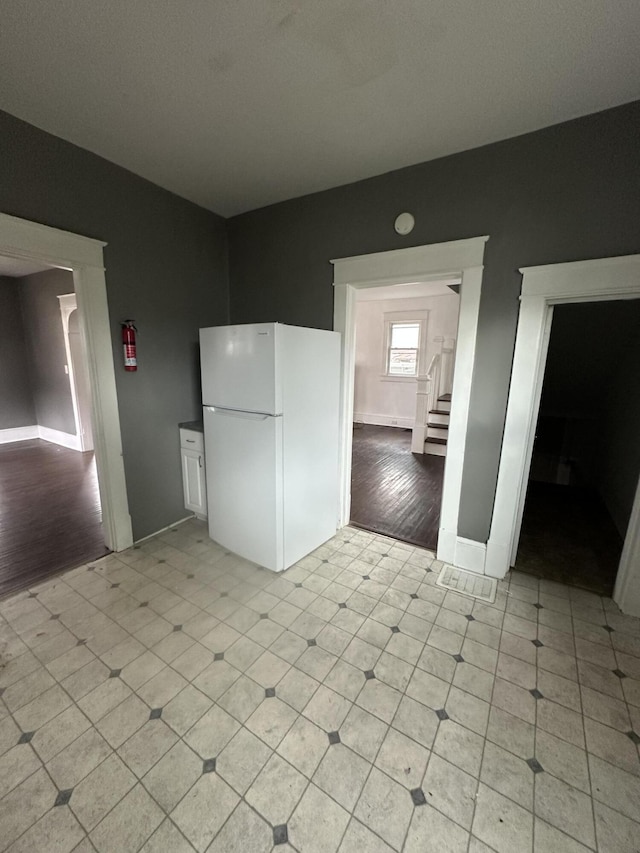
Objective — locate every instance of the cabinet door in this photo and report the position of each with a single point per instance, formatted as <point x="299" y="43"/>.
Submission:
<point x="193" y="480"/>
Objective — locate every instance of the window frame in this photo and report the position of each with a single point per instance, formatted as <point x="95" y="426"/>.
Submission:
<point x="391" y="318"/>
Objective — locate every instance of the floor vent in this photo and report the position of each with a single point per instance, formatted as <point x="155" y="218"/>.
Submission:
<point x="468" y="583"/>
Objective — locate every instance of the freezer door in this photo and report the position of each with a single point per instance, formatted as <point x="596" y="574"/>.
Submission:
<point x="238" y="365"/>
<point x="243" y="454"/>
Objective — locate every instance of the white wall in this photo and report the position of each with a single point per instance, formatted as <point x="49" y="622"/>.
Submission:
<point x="383" y="400"/>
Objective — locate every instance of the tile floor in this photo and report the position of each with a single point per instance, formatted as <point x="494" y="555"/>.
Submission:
<point x="175" y="697"/>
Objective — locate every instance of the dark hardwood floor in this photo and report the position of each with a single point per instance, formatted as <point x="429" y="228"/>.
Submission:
<point x="568" y="536"/>
<point x="50" y="517"/>
<point x="393" y="491"/>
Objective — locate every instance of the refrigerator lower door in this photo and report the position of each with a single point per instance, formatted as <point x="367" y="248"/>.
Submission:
<point x="244" y="484"/>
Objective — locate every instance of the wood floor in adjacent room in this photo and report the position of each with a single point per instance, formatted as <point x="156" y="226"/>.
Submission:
<point x="568" y="536"/>
<point x="394" y="491"/>
<point x="50" y="516"/>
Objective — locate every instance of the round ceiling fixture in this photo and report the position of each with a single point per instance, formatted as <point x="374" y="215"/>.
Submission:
<point x="404" y="223"/>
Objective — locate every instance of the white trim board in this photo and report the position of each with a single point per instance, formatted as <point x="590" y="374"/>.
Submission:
<point x="542" y="288"/>
<point x="382" y="420"/>
<point x="461" y="262"/>
<point x="84" y="256"/>
<point x="54" y="436"/>
<point x="24" y="433"/>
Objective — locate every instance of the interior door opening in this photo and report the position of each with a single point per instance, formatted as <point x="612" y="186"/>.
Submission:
<point x="50" y="506"/>
<point x="585" y="463"/>
<point x="405" y="346"/>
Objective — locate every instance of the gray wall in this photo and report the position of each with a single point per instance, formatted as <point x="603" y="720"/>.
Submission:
<point x="564" y="193"/>
<point x="45" y="347"/>
<point x="16" y="400"/>
<point x="166" y="267"/>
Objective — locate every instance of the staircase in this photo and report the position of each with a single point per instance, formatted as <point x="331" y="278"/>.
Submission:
<point x="433" y="402"/>
<point x="438" y="427"/>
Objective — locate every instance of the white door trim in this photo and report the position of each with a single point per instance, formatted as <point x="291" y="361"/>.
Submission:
<point x="20" y="238"/>
<point x="461" y="261"/>
<point x="542" y="288"/>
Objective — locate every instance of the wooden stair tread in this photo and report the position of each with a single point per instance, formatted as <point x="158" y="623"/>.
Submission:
<point x="445" y="398"/>
<point x="435" y="440"/>
<point x="437" y="426"/>
<point x="439" y="412"/>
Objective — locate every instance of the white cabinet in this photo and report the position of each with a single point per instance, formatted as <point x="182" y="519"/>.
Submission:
<point x="193" y="472"/>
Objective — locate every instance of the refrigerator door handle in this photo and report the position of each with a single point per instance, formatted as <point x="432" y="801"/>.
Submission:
<point x="237" y="413"/>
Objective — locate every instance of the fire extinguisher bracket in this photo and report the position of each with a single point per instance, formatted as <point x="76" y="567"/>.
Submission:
<point x="129" y="345"/>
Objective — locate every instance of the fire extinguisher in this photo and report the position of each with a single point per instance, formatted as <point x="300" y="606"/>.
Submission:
<point x="129" y="345"/>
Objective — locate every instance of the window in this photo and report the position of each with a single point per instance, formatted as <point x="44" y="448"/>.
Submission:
<point x="404" y="346"/>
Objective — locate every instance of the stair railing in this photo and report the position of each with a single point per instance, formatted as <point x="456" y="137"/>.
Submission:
<point x="427" y="386"/>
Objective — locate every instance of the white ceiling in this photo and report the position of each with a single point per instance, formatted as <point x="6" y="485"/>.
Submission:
<point x="236" y="104"/>
<point x="403" y="291"/>
<point x="16" y="268"/>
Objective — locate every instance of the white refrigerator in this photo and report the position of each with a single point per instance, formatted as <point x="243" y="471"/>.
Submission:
<point x="270" y="395"/>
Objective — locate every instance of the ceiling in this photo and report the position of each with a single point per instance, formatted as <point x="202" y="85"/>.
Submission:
<point x="404" y="291"/>
<point x="16" y="268"/>
<point x="236" y="104"/>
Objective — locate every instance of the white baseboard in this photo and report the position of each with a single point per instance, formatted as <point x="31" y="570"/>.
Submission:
<point x="382" y="420"/>
<point x="463" y="553"/>
<point x="18" y="434"/>
<point x="56" y="436"/>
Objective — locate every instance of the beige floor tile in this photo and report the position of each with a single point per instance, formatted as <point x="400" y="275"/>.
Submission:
<point x="304" y="746"/>
<point x="358" y="838"/>
<point x="57" y="830"/>
<point x="615" y="787"/>
<point x="615" y="833"/>
<point x="59" y="732"/>
<point x="244" y="831"/>
<point x="241" y="760"/>
<point x="459" y="746"/>
<point x="342" y="774"/>
<point x="501" y="823"/>
<point x="612" y="746"/>
<point x="327" y="709"/>
<point x="558" y="689"/>
<point x="16" y="765"/>
<point x="78" y="759"/>
<point x="271" y="721"/>
<point x="211" y="796"/>
<point x="129" y="824"/>
<point x="563" y="760"/>
<point x="318" y="823"/>
<point x="560" y="721"/>
<point x="216" y="679"/>
<point x="185" y="709"/>
<point x="212" y="732"/>
<point x="385" y="807"/>
<point x="276" y="790"/>
<point x="564" y="807"/>
<point x="508" y="774"/>
<point x="450" y="790"/>
<point x="345" y="679"/>
<point x="166" y="838"/>
<point x="98" y="792"/>
<point x="430" y="829"/>
<point x="147" y="746"/>
<point x="468" y="710"/>
<point x="25" y="805"/>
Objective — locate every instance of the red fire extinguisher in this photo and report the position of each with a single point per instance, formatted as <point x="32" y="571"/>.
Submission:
<point x="129" y="345"/>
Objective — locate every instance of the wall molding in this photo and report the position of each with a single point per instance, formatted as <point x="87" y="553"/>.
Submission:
<point x="24" y="433"/>
<point x="56" y="436"/>
<point x="460" y="261"/>
<point x="383" y="420"/>
<point x="542" y="288"/>
<point x="20" y="238"/>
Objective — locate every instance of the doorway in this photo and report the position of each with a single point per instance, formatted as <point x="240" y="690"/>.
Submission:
<point x="25" y="241"/>
<point x="50" y="513"/>
<point x="405" y="349"/>
<point x="586" y="455"/>
<point x="455" y="262"/>
<point x="543" y="288"/>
